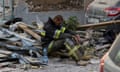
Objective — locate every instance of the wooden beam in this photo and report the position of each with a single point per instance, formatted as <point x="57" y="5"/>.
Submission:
<point x="98" y="24"/>
<point x="26" y="29"/>
<point x="17" y="35"/>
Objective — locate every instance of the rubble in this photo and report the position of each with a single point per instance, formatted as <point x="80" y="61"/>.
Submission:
<point x="26" y="29"/>
<point x="19" y="48"/>
<point x="22" y="45"/>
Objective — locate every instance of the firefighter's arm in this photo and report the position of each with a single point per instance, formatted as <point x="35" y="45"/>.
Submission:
<point x="62" y="33"/>
<point x="70" y="32"/>
<point x="49" y="31"/>
<point x="65" y="35"/>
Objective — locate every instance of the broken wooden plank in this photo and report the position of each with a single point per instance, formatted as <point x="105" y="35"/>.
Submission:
<point x="5" y="52"/>
<point x="103" y="47"/>
<point x="99" y="24"/>
<point x="17" y="35"/>
<point x="26" y="29"/>
<point x="3" y="56"/>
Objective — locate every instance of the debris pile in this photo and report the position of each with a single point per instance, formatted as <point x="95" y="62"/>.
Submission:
<point x="21" y="43"/>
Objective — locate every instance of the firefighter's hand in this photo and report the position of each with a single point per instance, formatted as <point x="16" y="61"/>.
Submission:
<point x="76" y="38"/>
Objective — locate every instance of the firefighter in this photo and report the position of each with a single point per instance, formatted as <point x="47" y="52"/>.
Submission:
<point x="59" y="38"/>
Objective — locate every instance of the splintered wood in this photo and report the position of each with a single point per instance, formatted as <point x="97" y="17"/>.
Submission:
<point x="29" y="31"/>
<point x="114" y="22"/>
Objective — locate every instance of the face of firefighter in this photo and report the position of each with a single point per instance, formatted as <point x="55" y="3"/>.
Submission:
<point x="58" y="20"/>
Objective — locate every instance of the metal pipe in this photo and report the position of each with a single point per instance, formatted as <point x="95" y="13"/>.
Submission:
<point x="3" y="10"/>
<point x="12" y="9"/>
<point x="84" y="11"/>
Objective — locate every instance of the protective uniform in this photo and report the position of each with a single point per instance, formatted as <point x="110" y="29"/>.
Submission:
<point x="58" y="37"/>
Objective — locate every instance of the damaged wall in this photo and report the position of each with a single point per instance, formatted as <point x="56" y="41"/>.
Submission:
<point x="47" y="1"/>
<point x="53" y="5"/>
